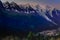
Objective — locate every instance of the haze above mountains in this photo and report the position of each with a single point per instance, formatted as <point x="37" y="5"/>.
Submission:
<point x="54" y="3"/>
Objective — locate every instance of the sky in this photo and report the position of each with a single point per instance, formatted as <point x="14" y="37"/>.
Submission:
<point x="55" y="3"/>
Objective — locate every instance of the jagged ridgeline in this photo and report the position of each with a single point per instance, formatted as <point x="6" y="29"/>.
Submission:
<point x="14" y="17"/>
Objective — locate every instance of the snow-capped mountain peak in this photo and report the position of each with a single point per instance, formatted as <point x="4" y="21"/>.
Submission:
<point x="38" y="15"/>
<point x="39" y="8"/>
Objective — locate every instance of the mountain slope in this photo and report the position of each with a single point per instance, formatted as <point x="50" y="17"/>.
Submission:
<point x="21" y="21"/>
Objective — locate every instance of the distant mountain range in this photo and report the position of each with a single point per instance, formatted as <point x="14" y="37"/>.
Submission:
<point x="27" y="18"/>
